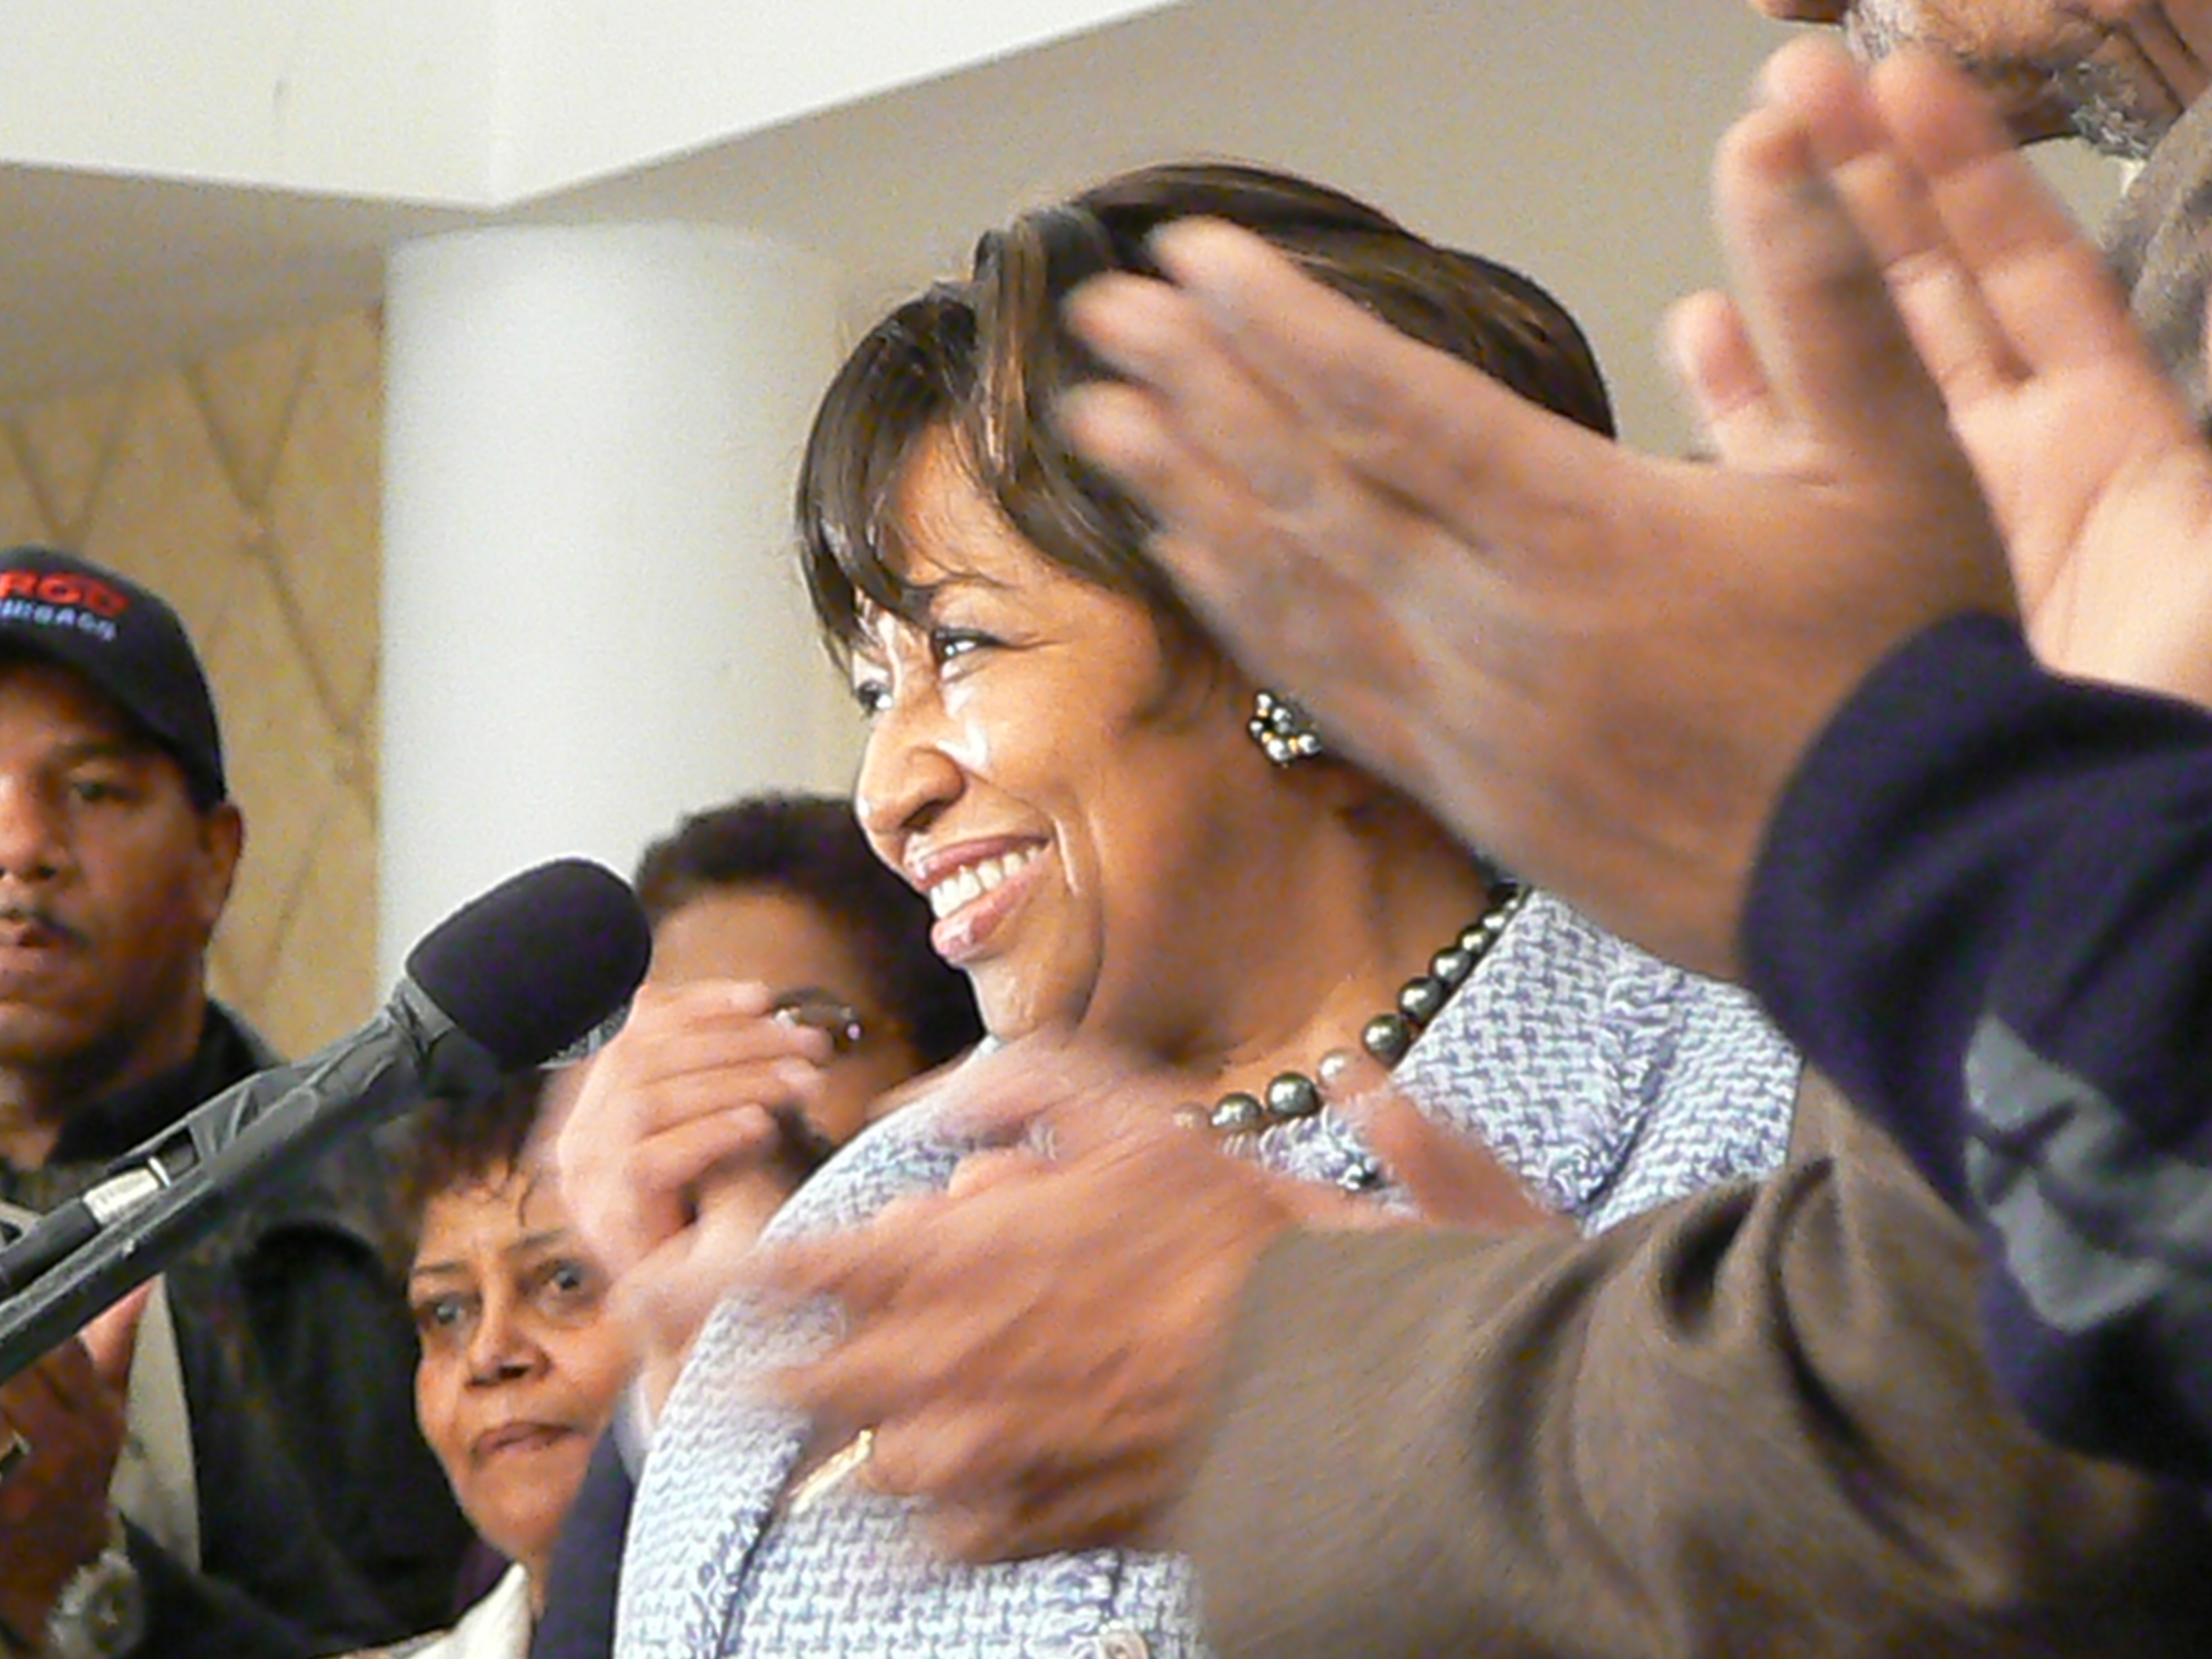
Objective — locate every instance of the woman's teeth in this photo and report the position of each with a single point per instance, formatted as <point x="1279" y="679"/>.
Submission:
<point x="966" y="885"/>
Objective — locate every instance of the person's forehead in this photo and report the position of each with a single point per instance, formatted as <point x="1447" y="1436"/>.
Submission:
<point x="52" y="693"/>
<point x="491" y="1214"/>
<point x="755" y="933"/>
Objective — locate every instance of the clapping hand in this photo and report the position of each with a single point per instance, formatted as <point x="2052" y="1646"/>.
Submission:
<point x="2092" y="465"/>
<point x="1599" y="667"/>
<point x="63" y="1418"/>
<point x="671" y="1157"/>
<point x="1036" y="1351"/>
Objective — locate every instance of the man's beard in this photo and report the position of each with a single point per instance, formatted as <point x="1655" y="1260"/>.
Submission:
<point x="2099" y="101"/>
<point x="1873" y="30"/>
<point x="2106" y="114"/>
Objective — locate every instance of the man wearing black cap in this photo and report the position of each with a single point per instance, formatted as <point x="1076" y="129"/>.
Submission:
<point x="282" y="1342"/>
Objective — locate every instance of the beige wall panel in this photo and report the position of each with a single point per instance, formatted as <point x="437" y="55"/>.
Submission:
<point x="323" y="985"/>
<point x="22" y="517"/>
<point x="65" y="445"/>
<point x="246" y="396"/>
<point x="322" y="514"/>
<point x="283" y="760"/>
<point x="165" y="511"/>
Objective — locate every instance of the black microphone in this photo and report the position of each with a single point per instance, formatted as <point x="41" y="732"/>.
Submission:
<point x="531" y="969"/>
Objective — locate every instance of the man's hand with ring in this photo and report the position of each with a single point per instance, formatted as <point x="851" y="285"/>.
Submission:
<point x="61" y="1428"/>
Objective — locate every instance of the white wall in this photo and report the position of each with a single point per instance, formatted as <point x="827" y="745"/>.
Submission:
<point x="591" y="88"/>
<point x="472" y="103"/>
<point x="345" y="97"/>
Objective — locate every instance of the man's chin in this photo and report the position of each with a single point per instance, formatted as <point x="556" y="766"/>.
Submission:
<point x="36" y="1038"/>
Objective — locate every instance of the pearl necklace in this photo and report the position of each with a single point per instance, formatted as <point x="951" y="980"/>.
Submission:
<point x="1293" y="1094"/>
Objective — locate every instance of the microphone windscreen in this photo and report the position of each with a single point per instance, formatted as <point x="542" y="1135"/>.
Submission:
<point x="532" y="966"/>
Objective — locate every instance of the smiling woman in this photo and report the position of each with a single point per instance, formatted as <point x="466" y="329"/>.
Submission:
<point x="1121" y="836"/>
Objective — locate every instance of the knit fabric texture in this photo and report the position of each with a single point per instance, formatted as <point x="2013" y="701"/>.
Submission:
<point x="1606" y="1079"/>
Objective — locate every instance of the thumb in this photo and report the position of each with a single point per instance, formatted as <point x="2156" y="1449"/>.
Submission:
<point x="1453" y="1179"/>
<point x="1718" y="370"/>
<point x="111" y="1338"/>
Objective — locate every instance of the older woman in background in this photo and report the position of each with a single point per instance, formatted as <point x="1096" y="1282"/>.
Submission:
<point x="1121" y="836"/>
<point x="522" y="1362"/>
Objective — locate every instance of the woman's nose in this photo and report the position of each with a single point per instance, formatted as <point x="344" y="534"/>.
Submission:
<point x="501" y="1347"/>
<point x="906" y="777"/>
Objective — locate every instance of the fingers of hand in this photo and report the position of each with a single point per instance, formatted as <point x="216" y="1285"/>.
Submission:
<point x="1132" y="432"/>
<point x="981" y="1171"/>
<point x="72" y="1425"/>
<point x="892" y="1363"/>
<point x="1258" y="516"/>
<point x="679" y="1095"/>
<point x="674" y="1051"/>
<point x="666" y="1294"/>
<point x="1308" y="527"/>
<point x="1453" y="1179"/>
<point x="1720" y="373"/>
<point x="1156" y="336"/>
<point x="1121" y="1505"/>
<point x="1946" y="313"/>
<point x="636" y="1195"/>
<point x="2016" y="242"/>
<point x="690" y="1150"/>
<point x="1059" y="1096"/>
<point x="1005" y="1097"/>
<point x="958" y="1443"/>
<point x="935" y="1300"/>
<point x="1812" y="298"/>
<point x="1427" y="427"/>
<point x="863" y="1269"/>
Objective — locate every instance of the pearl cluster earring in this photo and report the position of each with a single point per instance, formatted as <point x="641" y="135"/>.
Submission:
<point x="1286" y="734"/>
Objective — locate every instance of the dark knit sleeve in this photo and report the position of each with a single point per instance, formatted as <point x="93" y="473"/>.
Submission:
<point x="1985" y="907"/>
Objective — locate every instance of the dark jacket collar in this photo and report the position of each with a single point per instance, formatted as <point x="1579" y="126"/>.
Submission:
<point x="105" y="1129"/>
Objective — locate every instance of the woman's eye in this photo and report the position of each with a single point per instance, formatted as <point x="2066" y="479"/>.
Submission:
<point x="438" y="1319"/>
<point x="947" y="643"/>
<point x="570" y="1288"/>
<point x="873" y="696"/>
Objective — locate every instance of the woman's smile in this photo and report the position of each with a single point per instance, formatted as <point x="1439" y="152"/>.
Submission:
<point x="975" y="896"/>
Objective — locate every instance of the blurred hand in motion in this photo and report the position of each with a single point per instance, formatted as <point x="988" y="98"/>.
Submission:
<point x="1600" y="666"/>
<point x="2098" y="478"/>
<point x="67" y="1408"/>
<point x="1037" y="1349"/>
<point x="676" y="1151"/>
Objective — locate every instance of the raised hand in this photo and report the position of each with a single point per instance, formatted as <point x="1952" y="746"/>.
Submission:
<point x="67" y="1408"/>
<point x="671" y="1155"/>
<point x="1599" y="667"/>
<point x="2099" y="478"/>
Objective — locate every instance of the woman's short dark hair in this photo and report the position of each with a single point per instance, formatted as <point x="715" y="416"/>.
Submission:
<point x="987" y="359"/>
<point x="450" y="1145"/>
<point x="810" y="848"/>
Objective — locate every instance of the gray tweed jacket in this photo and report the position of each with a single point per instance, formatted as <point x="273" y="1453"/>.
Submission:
<point x="1609" y="1080"/>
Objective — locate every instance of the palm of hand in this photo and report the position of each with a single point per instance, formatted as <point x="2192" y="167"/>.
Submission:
<point x="2103" y="489"/>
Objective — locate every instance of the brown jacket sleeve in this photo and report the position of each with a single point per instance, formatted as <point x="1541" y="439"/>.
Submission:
<point x="1753" y="1423"/>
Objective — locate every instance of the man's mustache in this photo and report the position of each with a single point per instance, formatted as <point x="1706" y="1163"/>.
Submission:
<point x="20" y="915"/>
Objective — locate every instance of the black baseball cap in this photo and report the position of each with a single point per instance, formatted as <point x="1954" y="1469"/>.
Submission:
<point x="126" y="641"/>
